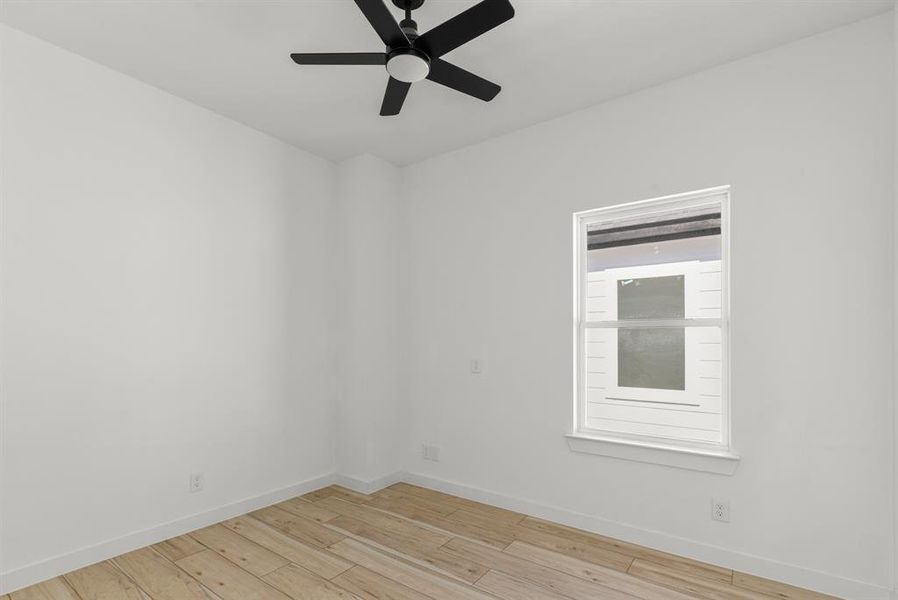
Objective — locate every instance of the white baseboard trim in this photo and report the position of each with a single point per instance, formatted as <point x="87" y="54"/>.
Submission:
<point x="755" y="565"/>
<point x="368" y="487"/>
<point x="17" y="579"/>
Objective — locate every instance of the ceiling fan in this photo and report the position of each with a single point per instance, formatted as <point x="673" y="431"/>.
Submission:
<point x="410" y="57"/>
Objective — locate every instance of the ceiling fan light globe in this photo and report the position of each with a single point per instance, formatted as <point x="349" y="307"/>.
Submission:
<point x="408" y="67"/>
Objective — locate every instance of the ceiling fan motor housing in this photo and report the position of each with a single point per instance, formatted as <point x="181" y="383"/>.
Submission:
<point x="408" y="64"/>
<point x="408" y="4"/>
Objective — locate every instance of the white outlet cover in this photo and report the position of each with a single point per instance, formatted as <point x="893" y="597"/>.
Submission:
<point x="197" y="481"/>
<point x="720" y="510"/>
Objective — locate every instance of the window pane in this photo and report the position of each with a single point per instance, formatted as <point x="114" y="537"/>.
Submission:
<point x="651" y="298"/>
<point x="652" y="358"/>
<point x="673" y="279"/>
<point x="691" y="413"/>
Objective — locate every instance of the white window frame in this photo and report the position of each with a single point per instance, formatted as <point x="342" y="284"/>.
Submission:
<point x="714" y="458"/>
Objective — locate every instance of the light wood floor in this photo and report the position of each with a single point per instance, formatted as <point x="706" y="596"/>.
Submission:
<point x="401" y="543"/>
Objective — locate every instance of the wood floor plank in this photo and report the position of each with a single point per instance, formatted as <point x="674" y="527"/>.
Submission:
<point x="368" y="585"/>
<point x="496" y="514"/>
<point x="532" y="573"/>
<point x="498" y="529"/>
<point x="411" y="510"/>
<point x="775" y="588"/>
<point x="510" y="588"/>
<point x="103" y="581"/>
<point x="611" y="578"/>
<point x="423" y="580"/>
<point x="338" y="492"/>
<point x="405" y="506"/>
<point x="448" y="502"/>
<point x="227" y="579"/>
<point x="466" y="515"/>
<point x="382" y="520"/>
<point x="590" y="552"/>
<point x="409" y="546"/>
<point x="476" y="525"/>
<point x="392" y="493"/>
<point x="500" y="515"/>
<point x="53" y="589"/>
<point x="159" y="578"/>
<point x="300" y="584"/>
<point x="239" y="550"/>
<point x="310" y="510"/>
<point x="697" y="587"/>
<point x="301" y="528"/>
<point x="686" y="565"/>
<point x="309" y="557"/>
<point x="177" y="548"/>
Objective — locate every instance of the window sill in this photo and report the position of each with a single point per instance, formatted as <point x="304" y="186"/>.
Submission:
<point x="709" y="461"/>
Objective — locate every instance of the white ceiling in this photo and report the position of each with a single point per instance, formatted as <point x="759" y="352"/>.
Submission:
<point x="555" y="56"/>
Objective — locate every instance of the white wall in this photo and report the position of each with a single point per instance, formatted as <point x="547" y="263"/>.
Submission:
<point x="895" y="306"/>
<point x="366" y="319"/>
<point x="164" y="307"/>
<point x="804" y="134"/>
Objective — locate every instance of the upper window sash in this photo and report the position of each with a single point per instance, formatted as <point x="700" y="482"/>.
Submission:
<point x="710" y="198"/>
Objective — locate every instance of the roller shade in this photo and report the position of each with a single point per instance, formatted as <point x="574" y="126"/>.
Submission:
<point x="669" y="226"/>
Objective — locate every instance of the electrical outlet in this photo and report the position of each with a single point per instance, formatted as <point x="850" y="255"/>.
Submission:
<point x="197" y="481"/>
<point x="431" y="453"/>
<point x="720" y="510"/>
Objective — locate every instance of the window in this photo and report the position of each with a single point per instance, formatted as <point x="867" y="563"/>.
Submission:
<point x="652" y="324"/>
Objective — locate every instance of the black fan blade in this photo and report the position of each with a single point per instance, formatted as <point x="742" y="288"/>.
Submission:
<point x="394" y="97"/>
<point x="382" y="21"/>
<point x="464" y="27"/>
<point x="340" y="58"/>
<point x="465" y="82"/>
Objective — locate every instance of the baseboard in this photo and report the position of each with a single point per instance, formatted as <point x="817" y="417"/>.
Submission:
<point x="762" y="567"/>
<point x="41" y="571"/>
<point x="368" y="487"/>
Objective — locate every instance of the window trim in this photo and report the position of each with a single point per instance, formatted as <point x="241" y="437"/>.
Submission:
<point x="714" y="458"/>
